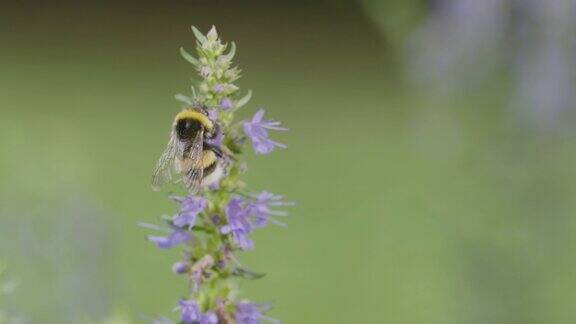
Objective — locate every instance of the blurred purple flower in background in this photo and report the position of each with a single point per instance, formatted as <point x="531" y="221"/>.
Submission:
<point x="257" y="130"/>
<point x="545" y="62"/>
<point x="65" y="251"/>
<point x="465" y="43"/>
<point x="457" y="45"/>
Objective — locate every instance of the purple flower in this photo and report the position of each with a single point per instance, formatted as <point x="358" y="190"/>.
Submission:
<point x="218" y="88"/>
<point x="180" y="267"/>
<point x="238" y="224"/>
<point x="225" y="103"/>
<point x="257" y="130"/>
<point x="213" y="114"/>
<point x="216" y="140"/>
<point x="250" y="313"/>
<point x="208" y="318"/>
<point x="260" y="210"/>
<point x="191" y="206"/>
<point x="244" y="216"/>
<point x="190" y="313"/>
<point x="247" y="313"/>
<point x="176" y="237"/>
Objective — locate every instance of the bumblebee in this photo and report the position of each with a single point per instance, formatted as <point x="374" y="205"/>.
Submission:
<point x="189" y="152"/>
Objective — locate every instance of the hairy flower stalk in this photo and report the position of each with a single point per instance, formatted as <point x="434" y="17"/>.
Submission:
<point x="215" y="223"/>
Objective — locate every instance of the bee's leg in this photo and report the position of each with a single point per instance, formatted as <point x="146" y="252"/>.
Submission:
<point x="213" y="140"/>
<point x="214" y="133"/>
<point x="216" y="149"/>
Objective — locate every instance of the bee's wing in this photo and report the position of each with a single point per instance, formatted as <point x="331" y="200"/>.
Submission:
<point x="193" y="177"/>
<point x="162" y="171"/>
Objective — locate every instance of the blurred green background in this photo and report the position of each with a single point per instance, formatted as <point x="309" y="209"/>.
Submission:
<point x="413" y="206"/>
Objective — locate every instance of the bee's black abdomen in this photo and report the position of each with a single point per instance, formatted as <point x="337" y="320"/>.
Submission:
<point x="209" y="169"/>
<point x="187" y="128"/>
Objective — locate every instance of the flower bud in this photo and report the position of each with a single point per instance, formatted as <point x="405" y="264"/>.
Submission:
<point x="180" y="267"/>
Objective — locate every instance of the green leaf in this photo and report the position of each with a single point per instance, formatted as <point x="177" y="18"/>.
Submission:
<point x="248" y="274"/>
<point x="188" y="57"/>
<point x="231" y="53"/>
<point x="194" y="96"/>
<point x="199" y="36"/>
<point x="182" y="98"/>
<point x="244" y="100"/>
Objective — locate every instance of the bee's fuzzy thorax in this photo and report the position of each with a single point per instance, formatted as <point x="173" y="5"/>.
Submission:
<point x="189" y="113"/>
